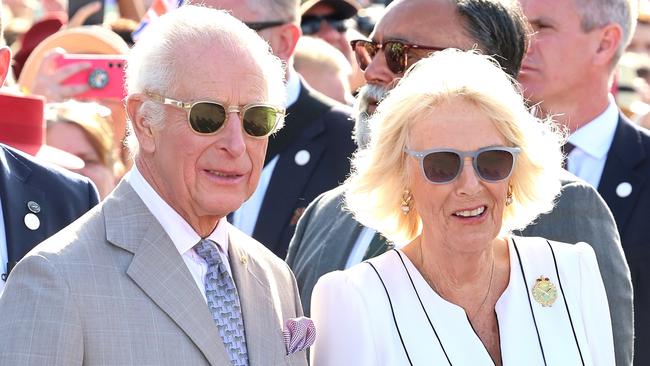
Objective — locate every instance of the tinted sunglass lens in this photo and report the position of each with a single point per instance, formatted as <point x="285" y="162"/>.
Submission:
<point x="207" y="117"/>
<point x="260" y="120"/>
<point x="338" y="25"/>
<point x="494" y="165"/>
<point x="310" y="26"/>
<point x="441" y="167"/>
<point x="364" y="52"/>
<point x="395" y="56"/>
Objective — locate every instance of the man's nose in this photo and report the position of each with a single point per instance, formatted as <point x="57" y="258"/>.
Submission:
<point x="233" y="139"/>
<point x="377" y="71"/>
<point x="327" y="32"/>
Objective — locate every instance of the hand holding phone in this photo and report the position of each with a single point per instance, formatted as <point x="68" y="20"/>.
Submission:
<point x="104" y="78"/>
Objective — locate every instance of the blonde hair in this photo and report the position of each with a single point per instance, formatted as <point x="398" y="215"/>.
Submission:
<point x="374" y="191"/>
<point x="96" y="123"/>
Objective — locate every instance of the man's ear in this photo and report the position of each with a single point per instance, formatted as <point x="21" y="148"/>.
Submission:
<point x="284" y="40"/>
<point x="140" y="123"/>
<point x="610" y="37"/>
<point x="5" y="63"/>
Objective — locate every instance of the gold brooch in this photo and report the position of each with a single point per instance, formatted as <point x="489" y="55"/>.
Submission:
<point x="544" y="292"/>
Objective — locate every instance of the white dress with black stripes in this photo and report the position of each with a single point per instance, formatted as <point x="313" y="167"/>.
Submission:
<point x="383" y="312"/>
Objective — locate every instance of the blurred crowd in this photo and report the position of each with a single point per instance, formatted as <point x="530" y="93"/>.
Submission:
<point x="63" y="101"/>
<point x="41" y="32"/>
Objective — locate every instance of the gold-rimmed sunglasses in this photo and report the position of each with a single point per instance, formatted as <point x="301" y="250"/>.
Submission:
<point x="208" y="117"/>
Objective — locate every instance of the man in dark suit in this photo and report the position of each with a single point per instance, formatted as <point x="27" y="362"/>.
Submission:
<point x="310" y="155"/>
<point x="567" y="72"/>
<point x="37" y="200"/>
<point x="328" y="238"/>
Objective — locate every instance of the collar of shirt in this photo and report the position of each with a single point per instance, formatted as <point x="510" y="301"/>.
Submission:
<point x="179" y="231"/>
<point x="596" y="137"/>
<point x="293" y="86"/>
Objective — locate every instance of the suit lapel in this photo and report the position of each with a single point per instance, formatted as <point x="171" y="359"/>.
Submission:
<point x="160" y="272"/>
<point x="261" y="318"/>
<point x="623" y="159"/>
<point x="291" y="174"/>
<point x="14" y="179"/>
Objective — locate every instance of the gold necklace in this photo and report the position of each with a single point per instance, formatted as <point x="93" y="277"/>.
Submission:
<point x="435" y="288"/>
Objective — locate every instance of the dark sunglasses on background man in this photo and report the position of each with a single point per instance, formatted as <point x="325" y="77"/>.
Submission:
<point x="258" y="26"/>
<point x="491" y="164"/>
<point x="208" y="117"/>
<point x="311" y="24"/>
<point x="395" y="52"/>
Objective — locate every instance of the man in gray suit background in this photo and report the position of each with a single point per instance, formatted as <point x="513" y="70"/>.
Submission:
<point x="328" y="238"/>
<point x="155" y="275"/>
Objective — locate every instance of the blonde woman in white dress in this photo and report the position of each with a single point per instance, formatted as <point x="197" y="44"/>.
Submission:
<point x="455" y="163"/>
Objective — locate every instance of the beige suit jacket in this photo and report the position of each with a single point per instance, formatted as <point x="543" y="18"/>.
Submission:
<point x="111" y="289"/>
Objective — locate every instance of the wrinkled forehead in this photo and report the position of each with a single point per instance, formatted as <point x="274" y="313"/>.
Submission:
<point x="226" y="70"/>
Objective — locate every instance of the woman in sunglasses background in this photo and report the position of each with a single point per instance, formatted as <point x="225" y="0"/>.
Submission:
<point x="455" y="163"/>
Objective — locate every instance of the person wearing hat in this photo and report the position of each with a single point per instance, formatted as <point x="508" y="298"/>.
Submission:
<point x="331" y="21"/>
<point x="36" y="199"/>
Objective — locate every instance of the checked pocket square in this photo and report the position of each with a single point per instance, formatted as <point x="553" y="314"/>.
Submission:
<point x="299" y="334"/>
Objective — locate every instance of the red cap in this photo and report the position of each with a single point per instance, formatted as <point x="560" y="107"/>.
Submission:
<point x="22" y="126"/>
<point x="35" y="35"/>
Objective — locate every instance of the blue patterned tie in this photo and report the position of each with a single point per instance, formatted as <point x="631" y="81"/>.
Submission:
<point x="223" y="302"/>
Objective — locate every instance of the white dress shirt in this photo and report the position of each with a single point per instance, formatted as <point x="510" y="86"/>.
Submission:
<point x="360" y="246"/>
<point x="246" y="216"/>
<point x="179" y="231"/>
<point x="4" y="254"/>
<point x="592" y="142"/>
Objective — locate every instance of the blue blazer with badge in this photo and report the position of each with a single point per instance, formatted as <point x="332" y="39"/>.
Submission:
<point x="314" y="148"/>
<point x="56" y="196"/>
<point x="625" y="186"/>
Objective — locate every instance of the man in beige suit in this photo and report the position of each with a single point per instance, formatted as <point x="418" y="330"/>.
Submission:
<point x="128" y="283"/>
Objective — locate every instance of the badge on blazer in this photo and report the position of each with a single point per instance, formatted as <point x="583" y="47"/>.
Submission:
<point x="544" y="291"/>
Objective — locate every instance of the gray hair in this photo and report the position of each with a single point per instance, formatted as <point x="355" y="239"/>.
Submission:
<point x="153" y="63"/>
<point x="598" y="13"/>
<point x="287" y="10"/>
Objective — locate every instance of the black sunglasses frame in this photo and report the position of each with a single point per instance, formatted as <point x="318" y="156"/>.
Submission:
<point x="421" y="155"/>
<point x="241" y="110"/>
<point x="312" y="24"/>
<point x="259" y="26"/>
<point x="375" y="47"/>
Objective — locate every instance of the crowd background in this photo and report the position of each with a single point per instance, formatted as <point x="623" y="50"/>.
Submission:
<point x="39" y="32"/>
<point x="86" y="134"/>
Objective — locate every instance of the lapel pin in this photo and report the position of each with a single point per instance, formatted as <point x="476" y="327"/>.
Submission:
<point x="32" y="222"/>
<point x="544" y="291"/>
<point x="243" y="259"/>
<point x="302" y="157"/>
<point x="624" y="189"/>
<point x="33" y="207"/>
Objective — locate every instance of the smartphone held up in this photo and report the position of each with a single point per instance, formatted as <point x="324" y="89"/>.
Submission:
<point x="104" y="77"/>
